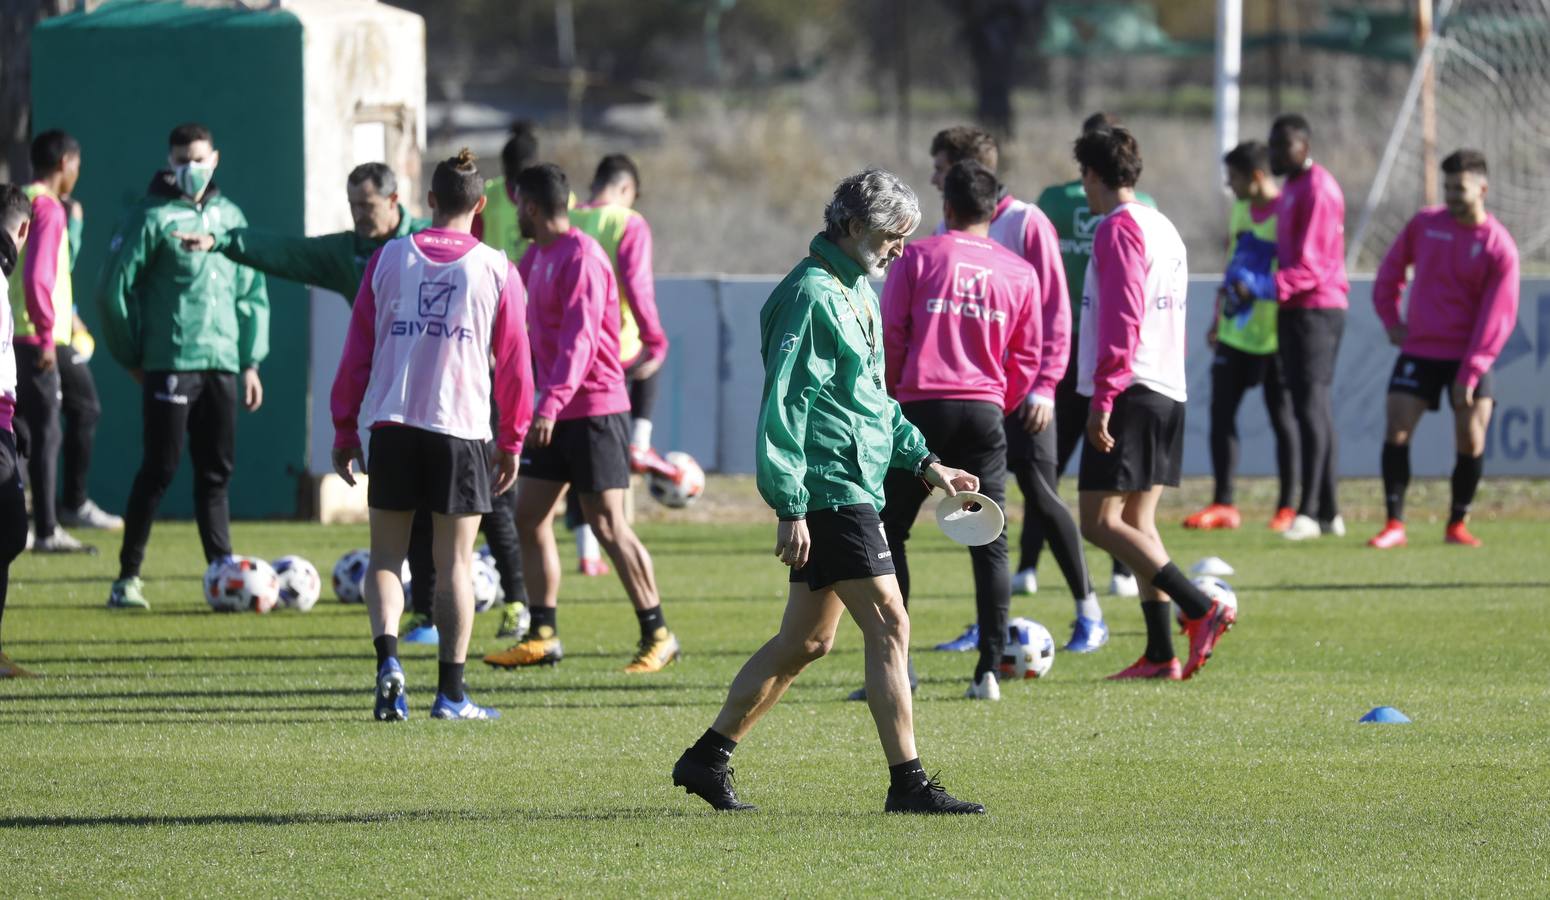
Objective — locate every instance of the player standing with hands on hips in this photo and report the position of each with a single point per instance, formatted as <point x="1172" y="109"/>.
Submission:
<point x="1131" y="363"/>
<point x="1463" y="305"/>
<point x="433" y="309"/>
<point x="828" y="432"/>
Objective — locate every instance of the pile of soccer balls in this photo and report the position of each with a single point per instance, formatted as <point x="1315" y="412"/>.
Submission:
<point x="248" y="584"/>
<point x="350" y="579"/>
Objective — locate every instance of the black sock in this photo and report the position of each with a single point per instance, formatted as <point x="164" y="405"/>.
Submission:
<point x="907" y="774"/>
<point x="650" y="620"/>
<point x="1396" y="479"/>
<point x="449" y="681"/>
<point x="713" y="748"/>
<point x="1159" y="630"/>
<point x="387" y="648"/>
<point x="1182" y="591"/>
<point x="544" y="617"/>
<point x="1466" y="478"/>
<point x="1121" y="569"/>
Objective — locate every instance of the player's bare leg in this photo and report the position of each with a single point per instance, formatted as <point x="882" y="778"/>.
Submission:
<point x="384" y="593"/>
<point x="537" y="501"/>
<point x="806" y="634"/>
<point x="452" y="544"/>
<point x="1470" y="420"/>
<point x="658" y="647"/>
<point x="1404" y="412"/>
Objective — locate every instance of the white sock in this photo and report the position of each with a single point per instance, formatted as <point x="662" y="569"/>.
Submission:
<point x="640" y="433"/>
<point x="587" y="546"/>
<point x="1088" y="608"/>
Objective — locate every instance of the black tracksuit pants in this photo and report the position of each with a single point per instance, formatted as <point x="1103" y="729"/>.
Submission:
<point x="37" y="427"/>
<point x="203" y="406"/>
<point x="966" y="434"/>
<point x="81" y="409"/>
<point x="13" y="511"/>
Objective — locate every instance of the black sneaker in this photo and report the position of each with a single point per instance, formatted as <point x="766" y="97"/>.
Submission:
<point x="712" y="783"/>
<point x="928" y="796"/>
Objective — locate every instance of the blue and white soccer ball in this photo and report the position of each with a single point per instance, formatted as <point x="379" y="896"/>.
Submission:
<point x="487" y="585"/>
<point x="350" y="577"/>
<point x="300" y="584"/>
<point x="1029" y="651"/>
<point x="1215" y="589"/>
<point x="241" y="584"/>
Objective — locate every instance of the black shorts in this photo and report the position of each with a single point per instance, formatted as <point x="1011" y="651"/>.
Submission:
<point x="591" y="454"/>
<point x="847" y="542"/>
<point x="1148" y="432"/>
<point x="413" y="469"/>
<point x="1309" y="342"/>
<point x="1243" y="368"/>
<point x="1425" y="378"/>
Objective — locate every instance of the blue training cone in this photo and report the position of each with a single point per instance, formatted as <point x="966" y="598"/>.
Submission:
<point x="1386" y="715"/>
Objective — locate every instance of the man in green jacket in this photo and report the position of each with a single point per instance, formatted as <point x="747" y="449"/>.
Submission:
<point x="334" y="262"/>
<point x="188" y="327"/>
<point x="828" y="432"/>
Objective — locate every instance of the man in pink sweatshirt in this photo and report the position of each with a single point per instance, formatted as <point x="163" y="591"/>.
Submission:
<point x="432" y="311"/>
<point x="1462" y="307"/>
<point x="962" y="326"/>
<point x="1131" y="363"/>
<point x="1033" y="448"/>
<point x="1311" y="286"/>
<point x="581" y="429"/>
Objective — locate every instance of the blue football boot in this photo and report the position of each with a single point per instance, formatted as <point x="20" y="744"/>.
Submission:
<point x="963" y="643"/>
<point x="1087" y="635"/>
<point x="392" y="703"/>
<point x="419" y="629"/>
<point x="461" y="709"/>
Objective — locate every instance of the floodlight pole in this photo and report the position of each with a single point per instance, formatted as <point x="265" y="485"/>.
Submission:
<point x="1229" y="62"/>
<point x="1423" y="34"/>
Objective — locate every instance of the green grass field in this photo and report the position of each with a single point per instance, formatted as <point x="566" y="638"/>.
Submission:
<point x="179" y="752"/>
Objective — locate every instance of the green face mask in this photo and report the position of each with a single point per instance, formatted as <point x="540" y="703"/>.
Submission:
<point x="193" y="177"/>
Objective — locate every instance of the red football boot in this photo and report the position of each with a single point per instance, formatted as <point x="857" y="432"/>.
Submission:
<point x="1145" y="668"/>
<point x="1204" y="632"/>
<point x="1392" y="535"/>
<point x="1217" y="515"/>
<point x="1282" y="520"/>
<point x="1458" y="534"/>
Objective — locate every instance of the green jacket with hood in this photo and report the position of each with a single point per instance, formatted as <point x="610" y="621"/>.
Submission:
<point x="828" y="431"/>
<point x="334" y="262"/>
<point x="165" y="309"/>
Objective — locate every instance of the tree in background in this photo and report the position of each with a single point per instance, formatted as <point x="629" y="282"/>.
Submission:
<point x="992" y="31"/>
<point x="17" y="18"/>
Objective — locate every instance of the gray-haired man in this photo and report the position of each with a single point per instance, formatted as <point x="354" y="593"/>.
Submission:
<point x="828" y="432"/>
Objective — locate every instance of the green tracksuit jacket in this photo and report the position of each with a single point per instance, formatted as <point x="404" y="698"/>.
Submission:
<point x="168" y="310"/>
<point x="334" y="262"/>
<point x="828" y="431"/>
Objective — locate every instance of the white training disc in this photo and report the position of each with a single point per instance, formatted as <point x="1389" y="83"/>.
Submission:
<point x="1214" y="566"/>
<point x="970" y="519"/>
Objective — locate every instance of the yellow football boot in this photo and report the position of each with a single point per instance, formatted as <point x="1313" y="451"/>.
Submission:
<point x="655" y="653"/>
<point x="542" y="648"/>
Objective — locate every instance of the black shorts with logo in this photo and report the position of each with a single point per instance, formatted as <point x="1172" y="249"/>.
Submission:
<point x="592" y="454"/>
<point x="847" y="542"/>
<point x="1425" y="378"/>
<point x="412" y="469"/>
<point x="1148" y="432"/>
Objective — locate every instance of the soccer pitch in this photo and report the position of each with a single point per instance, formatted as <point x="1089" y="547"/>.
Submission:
<point x="180" y="752"/>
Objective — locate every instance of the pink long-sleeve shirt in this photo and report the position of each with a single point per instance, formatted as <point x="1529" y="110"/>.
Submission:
<point x="1310" y="242"/>
<point x="432" y="309"/>
<point x="1132" y="329"/>
<point x="40" y="271"/>
<point x="1024" y="229"/>
<point x="1464" y="300"/>
<point x="961" y="321"/>
<point x="573" y="317"/>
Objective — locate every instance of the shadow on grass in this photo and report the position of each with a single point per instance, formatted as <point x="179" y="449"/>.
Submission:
<point x="500" y="817"/>
<point x="1404" y="586"/>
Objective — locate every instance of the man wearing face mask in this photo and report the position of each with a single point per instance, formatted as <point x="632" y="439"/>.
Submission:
<point x="191" y="329"/>
<point x="15" y="216"/>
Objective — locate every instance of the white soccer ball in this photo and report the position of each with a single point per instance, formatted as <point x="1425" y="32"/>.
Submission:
<point x="300" y="584"/>
<point x="1029" y="651"/>
<point x="350" y="577"/>
<point x="677" y="492"/>
<point x="1215" y="589"/>
<point x="241" y="584"/>
<point x="487" y="585"/>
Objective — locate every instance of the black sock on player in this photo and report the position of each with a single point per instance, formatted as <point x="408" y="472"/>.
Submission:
<point x="907" y="775"/>
<point x="387" y="648"/>
<point x="449" y="681"/>
<point x="650" y="621"/>
<point x="1466" y="479"/>
<point x="1396" y="479"/>
<point x="544" y="617"/>
<point x="1159" y="630"/>
<point x="1173" y="582"/>
<point x="714" y="749"/>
